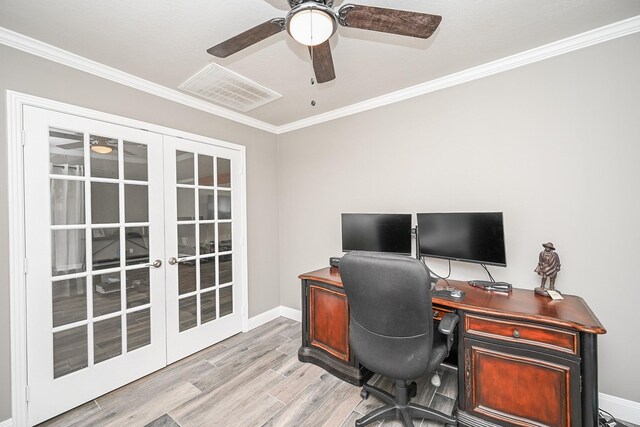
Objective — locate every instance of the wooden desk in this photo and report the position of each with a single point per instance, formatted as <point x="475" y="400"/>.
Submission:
<point x="523" y="359"/>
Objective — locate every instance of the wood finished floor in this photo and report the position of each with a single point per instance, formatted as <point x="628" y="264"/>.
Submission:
<point x="251" y="379"/>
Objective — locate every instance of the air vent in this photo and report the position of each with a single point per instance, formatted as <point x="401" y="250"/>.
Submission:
<point x="223" y="86"/>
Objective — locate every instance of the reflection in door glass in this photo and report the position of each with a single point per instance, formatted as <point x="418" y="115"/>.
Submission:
<point x="186" y="240"/>
<point x="137" y="287"/>
<point x="136" y="203"/>
<point x="207" y="202"/>
<point x="138" y="329"/>
<point x="106" y="293"/>
<point x="69" y="299"/>
<point x="137" y="245"/>
<point x="207" y="272"/>
<point x="226" y="269"/>
<point x="105" y="248"/>
<point x="67" y="252"/>
<point x="184" y="167"/>
<point x="69" y="351"/>
<point x="205" y="170"/>
<point x="104" y="157"/>
<point x="186" y="277"/>
<point x="67" y="202"/>
<point x="224" y="204"/>
<point x="226" y="301"/>
<point x="105" y="203"/>
<point x="66" y="152"/>
<point x="187" y="316"/>
<point x="186" y="204"/>
<point x="208" y="306"/>
<point x="207" y="238"/>
<point x="224" y="172"/>
<point x="224" y="237"/>
<point x="107" y="339"/>
<point x="135" y="161"/>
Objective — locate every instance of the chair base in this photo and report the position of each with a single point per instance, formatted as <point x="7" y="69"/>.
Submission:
<point x="399" y="407"/>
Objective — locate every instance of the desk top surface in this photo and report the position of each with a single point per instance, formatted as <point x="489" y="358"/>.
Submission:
<point x="571" y="312"/>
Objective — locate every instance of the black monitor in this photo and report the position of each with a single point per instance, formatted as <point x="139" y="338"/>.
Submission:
<point x="376" y="232"/>
<point x="463" y="236"/>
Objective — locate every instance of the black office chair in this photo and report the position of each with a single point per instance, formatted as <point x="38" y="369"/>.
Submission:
<point x="391" y="330"/>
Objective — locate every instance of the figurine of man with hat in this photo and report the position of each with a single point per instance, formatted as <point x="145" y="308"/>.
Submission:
<point x="548" y="266"/>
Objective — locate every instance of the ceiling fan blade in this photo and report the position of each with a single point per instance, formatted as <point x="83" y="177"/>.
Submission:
<point x="322" y="62"/>
<point x="71" y="146"/>
<point x="394" y="21"/>
<point x="248" y="38"/>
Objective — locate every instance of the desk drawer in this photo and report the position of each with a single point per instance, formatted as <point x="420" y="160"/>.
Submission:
<point x="439" y="312"/>
<point x="525" y="333"/>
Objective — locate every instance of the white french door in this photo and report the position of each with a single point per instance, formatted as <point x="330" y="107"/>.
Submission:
<point x="132" y="243"/>
<point x="203" y="239"/>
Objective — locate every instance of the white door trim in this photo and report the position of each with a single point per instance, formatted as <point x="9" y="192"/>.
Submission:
<point x="17" y="268"/>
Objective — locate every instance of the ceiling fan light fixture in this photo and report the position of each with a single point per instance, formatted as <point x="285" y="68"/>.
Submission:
<point x="311" y="23"/>
<point x="101" y="147"/>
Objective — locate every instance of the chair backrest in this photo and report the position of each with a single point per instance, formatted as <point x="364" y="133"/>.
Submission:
<point x="391" y="325"/>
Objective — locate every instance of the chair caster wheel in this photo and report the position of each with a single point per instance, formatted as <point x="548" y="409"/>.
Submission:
<point x="364" y="394"/>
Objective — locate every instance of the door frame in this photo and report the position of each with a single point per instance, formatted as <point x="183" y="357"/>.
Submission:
<point x="17" y="255"/>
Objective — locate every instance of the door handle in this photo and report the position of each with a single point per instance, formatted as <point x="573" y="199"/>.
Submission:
<point x="173" y="260"/>
<point x="157" y="264"/>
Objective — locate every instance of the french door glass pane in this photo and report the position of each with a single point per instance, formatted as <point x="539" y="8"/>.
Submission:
<point x="105" y="248"/>
<point x="224" y="204"/>
<point x="66" y="152"/>
<point x="184" y="167"/>
<point x="67" y="202"/>
<point x="187" y="308"/>
<point x="138" y="329"/>
<point x="104" y="157"/>
<point x="224" y="237"/>
<point x="135" y="161"/>
<point x="136" y="203"/>
<point x="107" y="339"/>
<point x="106" y="293"/>
<point x="224" y="172"/>
<point x="207" y="238"/>
<point x="186" y="240"/>
<point x="104" y="203"/>
<point x="226" y="269"/>
<point x="137" y="245"/>
<point x="68" y="252"/>
<point x="226" y="300"/>
<point x="207" y="272"/>
<point x="186" y="277"/>
<point x="205" y="170"/>
<point x="208" y="306"/>
<point x="69" y="351"/>
<point x="69" y="301"/>
<point x="186" y="204"/>
<point x="137" y="287"/>
<point x="207" y="202"/>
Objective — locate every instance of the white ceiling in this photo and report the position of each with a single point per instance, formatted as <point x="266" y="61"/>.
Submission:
<point x="165" y="42"/>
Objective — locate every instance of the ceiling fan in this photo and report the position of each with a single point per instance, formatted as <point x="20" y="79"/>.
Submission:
<point x="313" y="22"/>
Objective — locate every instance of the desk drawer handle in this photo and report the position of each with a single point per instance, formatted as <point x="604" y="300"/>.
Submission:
<point x="435" y="313"/>
<point x="516" y="333"/>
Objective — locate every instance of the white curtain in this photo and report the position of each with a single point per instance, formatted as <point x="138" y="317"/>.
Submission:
<point x="67" y="208"/>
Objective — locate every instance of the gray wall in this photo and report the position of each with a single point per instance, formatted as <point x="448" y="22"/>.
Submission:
<point x="28" y="74"/>
<point x="554" y="145"/>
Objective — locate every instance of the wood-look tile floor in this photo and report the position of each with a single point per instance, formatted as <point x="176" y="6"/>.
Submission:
<point x="250" y="379"/>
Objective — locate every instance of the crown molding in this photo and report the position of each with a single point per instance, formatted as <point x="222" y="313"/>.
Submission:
<point x="52" y="53"/>
<point x="569" y="44"/>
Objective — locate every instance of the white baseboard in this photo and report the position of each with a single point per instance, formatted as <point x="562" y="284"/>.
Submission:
<point x="621" y="409"/>
<point x="291" y="313"/>
<point x="6" y="423"/>
<point x="269" y="315"/>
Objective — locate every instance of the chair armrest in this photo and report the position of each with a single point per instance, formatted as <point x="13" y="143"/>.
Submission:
<point x="448" y="323"/>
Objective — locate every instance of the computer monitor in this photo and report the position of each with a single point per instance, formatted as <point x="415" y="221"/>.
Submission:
<point x="376" y="232"/>
<point x="463" y="236"/>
